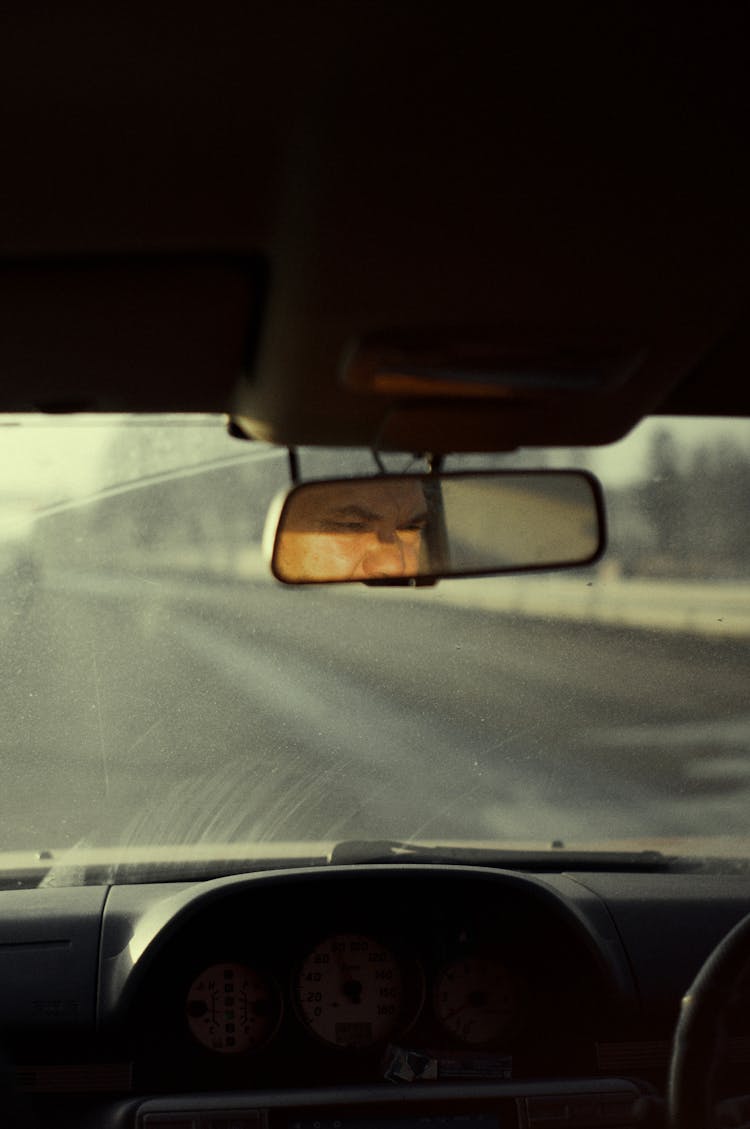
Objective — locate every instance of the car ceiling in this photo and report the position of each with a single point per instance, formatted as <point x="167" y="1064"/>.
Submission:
<point x="532" y="218"/>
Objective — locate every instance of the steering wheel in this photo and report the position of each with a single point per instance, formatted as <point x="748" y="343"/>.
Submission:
<point x="701" y="1037"/>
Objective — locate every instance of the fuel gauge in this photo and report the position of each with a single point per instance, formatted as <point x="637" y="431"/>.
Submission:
<point x="232" y="1008"/>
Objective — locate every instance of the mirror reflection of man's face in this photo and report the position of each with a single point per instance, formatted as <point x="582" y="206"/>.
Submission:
<point x="359" y="530"/>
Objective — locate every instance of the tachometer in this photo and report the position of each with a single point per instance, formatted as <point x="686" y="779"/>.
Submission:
<point x="231" y="1008"/>
<point x="350" y="991"/>
<point x="474" y="999"/>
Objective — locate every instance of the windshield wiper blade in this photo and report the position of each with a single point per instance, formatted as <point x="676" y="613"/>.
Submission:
<point x="353" y="851"/>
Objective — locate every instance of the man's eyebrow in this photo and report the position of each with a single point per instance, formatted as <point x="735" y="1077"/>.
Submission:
<point x="354" y="511"/>
<point x="361" y="514"/>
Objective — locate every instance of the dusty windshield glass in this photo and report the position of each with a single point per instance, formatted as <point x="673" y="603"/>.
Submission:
<point x="161" y="689"/>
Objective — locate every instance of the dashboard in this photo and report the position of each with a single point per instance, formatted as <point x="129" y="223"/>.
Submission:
<point x="315" y="998"/>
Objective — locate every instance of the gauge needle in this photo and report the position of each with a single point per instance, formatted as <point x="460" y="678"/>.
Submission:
<point x="476" y="999"/>
<point x="350" y="988"/>
<point x="456" y="1010"/>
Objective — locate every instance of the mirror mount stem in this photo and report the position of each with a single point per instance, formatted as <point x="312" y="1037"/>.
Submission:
<point x="293" y="465"/>
<point x="382" y="468"/>
<point x="434" y="462"/>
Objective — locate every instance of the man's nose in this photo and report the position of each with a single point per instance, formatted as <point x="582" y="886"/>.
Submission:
<point x="386" y="557"/>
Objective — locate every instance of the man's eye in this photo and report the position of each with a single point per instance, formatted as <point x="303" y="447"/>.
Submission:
<point x="414" y="527"/>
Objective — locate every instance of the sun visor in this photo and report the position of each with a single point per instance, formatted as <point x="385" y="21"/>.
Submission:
<point x="481" y="389"/>
<point x="482" y="364"/>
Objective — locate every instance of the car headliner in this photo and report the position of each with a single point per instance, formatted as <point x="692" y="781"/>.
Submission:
<point x="255" y="208"/>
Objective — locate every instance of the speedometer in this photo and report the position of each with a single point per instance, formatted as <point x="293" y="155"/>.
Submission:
<point x="350" y="991"/>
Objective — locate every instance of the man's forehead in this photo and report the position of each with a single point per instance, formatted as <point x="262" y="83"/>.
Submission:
<point x="376" y="493"/>
<point x="381" y="497"/>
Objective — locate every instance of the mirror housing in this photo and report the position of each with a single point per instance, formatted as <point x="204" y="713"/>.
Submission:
<point x="404" y="529"/>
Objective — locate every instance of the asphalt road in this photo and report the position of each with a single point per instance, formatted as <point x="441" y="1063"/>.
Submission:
<point x="136" y="712"/>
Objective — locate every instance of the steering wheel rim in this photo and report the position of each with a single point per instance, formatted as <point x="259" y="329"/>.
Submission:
<point x="700" y="1036"/>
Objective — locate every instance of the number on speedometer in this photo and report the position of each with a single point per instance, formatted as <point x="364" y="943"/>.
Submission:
<point x="350" y="991"/>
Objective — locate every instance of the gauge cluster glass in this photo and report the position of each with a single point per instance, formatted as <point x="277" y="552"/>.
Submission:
<point x="355" y="991"/>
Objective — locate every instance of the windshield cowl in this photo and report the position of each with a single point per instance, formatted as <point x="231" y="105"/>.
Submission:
<point x="89" y="866"/>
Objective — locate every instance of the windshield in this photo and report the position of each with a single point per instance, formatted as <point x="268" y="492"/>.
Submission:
<point x="161" y="690"/>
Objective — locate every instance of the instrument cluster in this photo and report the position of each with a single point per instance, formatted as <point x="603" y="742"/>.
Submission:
<point x="321" y="980"/>
<point x="353" y="991"/>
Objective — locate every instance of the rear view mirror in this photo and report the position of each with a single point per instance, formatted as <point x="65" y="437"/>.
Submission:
<point x="398" y="528"/>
